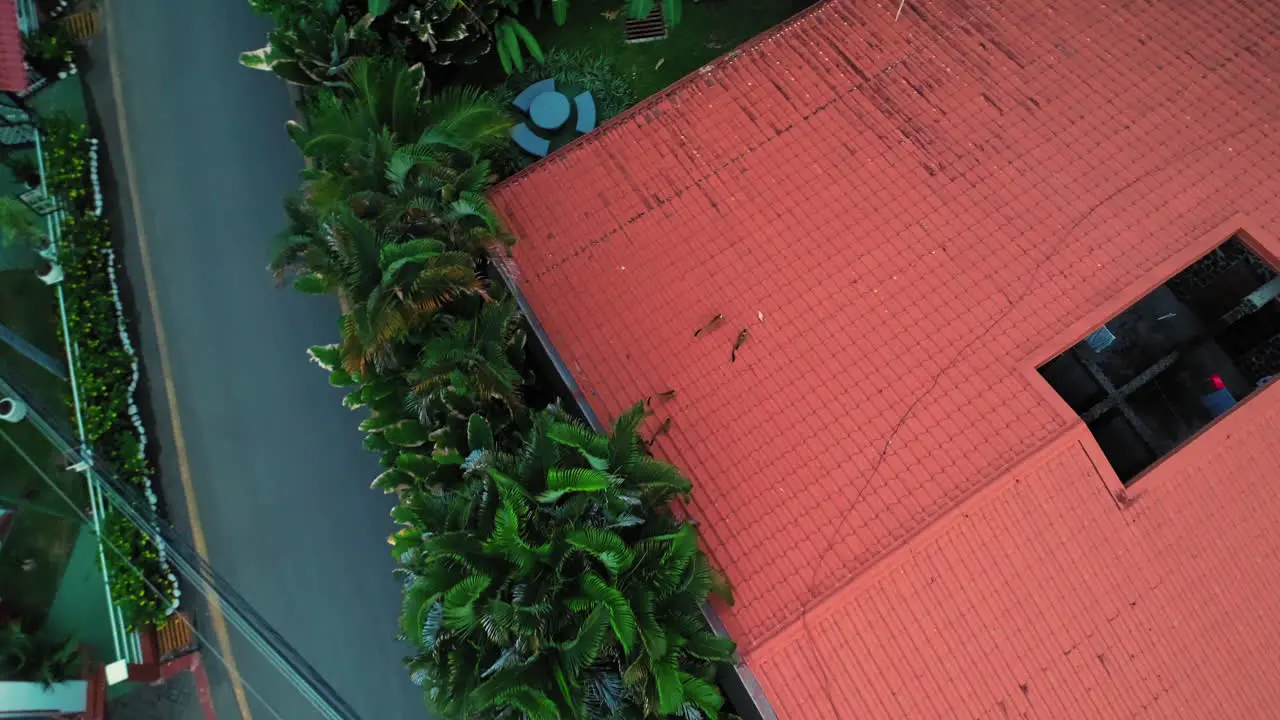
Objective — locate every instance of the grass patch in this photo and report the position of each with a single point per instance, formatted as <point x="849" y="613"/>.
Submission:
<point x="709" y="29"/>
<point x="45" y="531"/>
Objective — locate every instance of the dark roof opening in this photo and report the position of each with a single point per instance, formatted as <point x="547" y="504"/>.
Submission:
<point x="1166" y="366"/>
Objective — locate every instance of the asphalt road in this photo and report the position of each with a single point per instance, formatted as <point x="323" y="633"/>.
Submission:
<point x="275" y="461"/>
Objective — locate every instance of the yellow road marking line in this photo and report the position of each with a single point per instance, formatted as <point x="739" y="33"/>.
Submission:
<point x="184" y="467"/>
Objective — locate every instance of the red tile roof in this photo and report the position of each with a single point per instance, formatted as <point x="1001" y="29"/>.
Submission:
<point x="909" y="217"/>
<point x="13" y="73"/>
<point x="1044" y="598"/>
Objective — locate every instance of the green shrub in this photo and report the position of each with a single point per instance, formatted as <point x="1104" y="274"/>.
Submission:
<point x="574" y="71"/>
<point x="104" y="368"/>
<point x="28" y="657"/>
<point x="312" y="43"/>
<point x="553" y="580"/>
<point x="545" y="575"/>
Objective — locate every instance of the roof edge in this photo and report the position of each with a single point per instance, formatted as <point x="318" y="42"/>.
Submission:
<point x="598" y="134"/>
<point x="744" y="689"/>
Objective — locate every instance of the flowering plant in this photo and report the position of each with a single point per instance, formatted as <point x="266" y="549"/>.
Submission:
<point x="106" y="367"/>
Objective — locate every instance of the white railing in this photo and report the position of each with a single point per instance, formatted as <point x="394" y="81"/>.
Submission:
<point x="53" y="222"/>
<point x="127" y="646"/>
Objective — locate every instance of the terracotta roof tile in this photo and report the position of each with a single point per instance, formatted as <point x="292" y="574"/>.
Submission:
<point x="13" y="73"/>
<point x="1054" y="600"/>
<point x="919" y="209"/>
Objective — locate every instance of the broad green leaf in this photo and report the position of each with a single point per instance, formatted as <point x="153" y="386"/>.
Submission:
<point x="459" y="602"/>
<point x="666" y="678"/>
<point x="479" y="434"/>
<point x="448" y="458"/>
<point x="376" y="422"/>
<point x="504" y="57"/>
<point x="260" y="59"/>
<point x="621" y="618"/>
<point x="561" y="481"/>
<point x="313" y="284"/>
<point x="391" y="480"/>
<point x="507" y="37"/>
<point x="530" y="42"/>
<point x="420" y="466"/>
<point x="376" y="443"/>
<point x="673" y="11"/>
<point x="583" y="650"/>
<point x="708" y="646"/>
<point x="326" y="356"/>
<point x="702" y="695"/>
<point x="607" y="547"/>
<point x="406" y="433"/>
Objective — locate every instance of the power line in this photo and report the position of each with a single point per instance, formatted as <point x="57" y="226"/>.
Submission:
<point x="126" y="499"/>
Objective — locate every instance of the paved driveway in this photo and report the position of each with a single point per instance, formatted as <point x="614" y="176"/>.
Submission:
<point x="275" y="461"/>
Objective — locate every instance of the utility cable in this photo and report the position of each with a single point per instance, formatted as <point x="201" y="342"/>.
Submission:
<point x="135" y="569"/>
<point x="127" y="500"/>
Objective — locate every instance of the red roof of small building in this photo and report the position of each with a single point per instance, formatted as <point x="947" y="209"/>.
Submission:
<point x="909" y="217"/>
<point x="13" y="73"/>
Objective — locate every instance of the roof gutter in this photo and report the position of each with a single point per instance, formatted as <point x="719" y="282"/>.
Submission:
<point x="739" y="682"/>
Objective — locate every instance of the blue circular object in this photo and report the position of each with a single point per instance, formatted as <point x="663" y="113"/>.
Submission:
<point x="550" y="110"/>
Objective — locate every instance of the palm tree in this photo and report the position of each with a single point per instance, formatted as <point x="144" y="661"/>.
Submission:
<point x="389" y="287"/>
<point x="27" y="657"/>
<point x="471" y="357"/>
<point x="389" y="150"/>
<point x="386" y="96"/>
<point x="548" y="587"/>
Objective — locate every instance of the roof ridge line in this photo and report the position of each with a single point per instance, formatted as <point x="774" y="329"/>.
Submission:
<point x="1002" y="479"/>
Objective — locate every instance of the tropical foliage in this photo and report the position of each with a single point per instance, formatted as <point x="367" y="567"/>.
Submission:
<point x="672" y="10"/>
<point x="105" y="369"/>
<point x="27" y="657"/>
<point x="20" y="226"/>
<point x="392" y="215"/>
<point x="313" y="43"/>
<point x="315" y="50"/>
<point x="574" y="71"/>
<point x="544" y="575"/>
<point x="548" y="584"/>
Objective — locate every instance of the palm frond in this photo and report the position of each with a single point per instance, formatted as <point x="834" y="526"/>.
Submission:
<point x="706" y="645"/>
<point x="621" y="617"/>
<point x="561" y="481"/>
<point x="460" y="602"/>
<point x="666" y="679"/>
<point x="624" y="438"/>
<point x="578" y="653"/>
<point x="701" y="694"/>
<point x="606" y="547"/>
<point x="661" y="480"/>
<point x="574" y="433"/>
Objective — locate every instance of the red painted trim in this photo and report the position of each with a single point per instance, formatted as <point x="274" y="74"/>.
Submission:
<point x="150" y="645"/>
<point x="144" y="673"/>
<point x="95" y="702"/>
<point x="203" y="691"/>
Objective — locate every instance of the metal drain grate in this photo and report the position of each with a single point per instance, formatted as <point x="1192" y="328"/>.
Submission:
<point x="651" y="27"/>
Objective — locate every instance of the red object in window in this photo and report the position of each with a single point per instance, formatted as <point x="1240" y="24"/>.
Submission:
<point x="1216" y="381"/>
